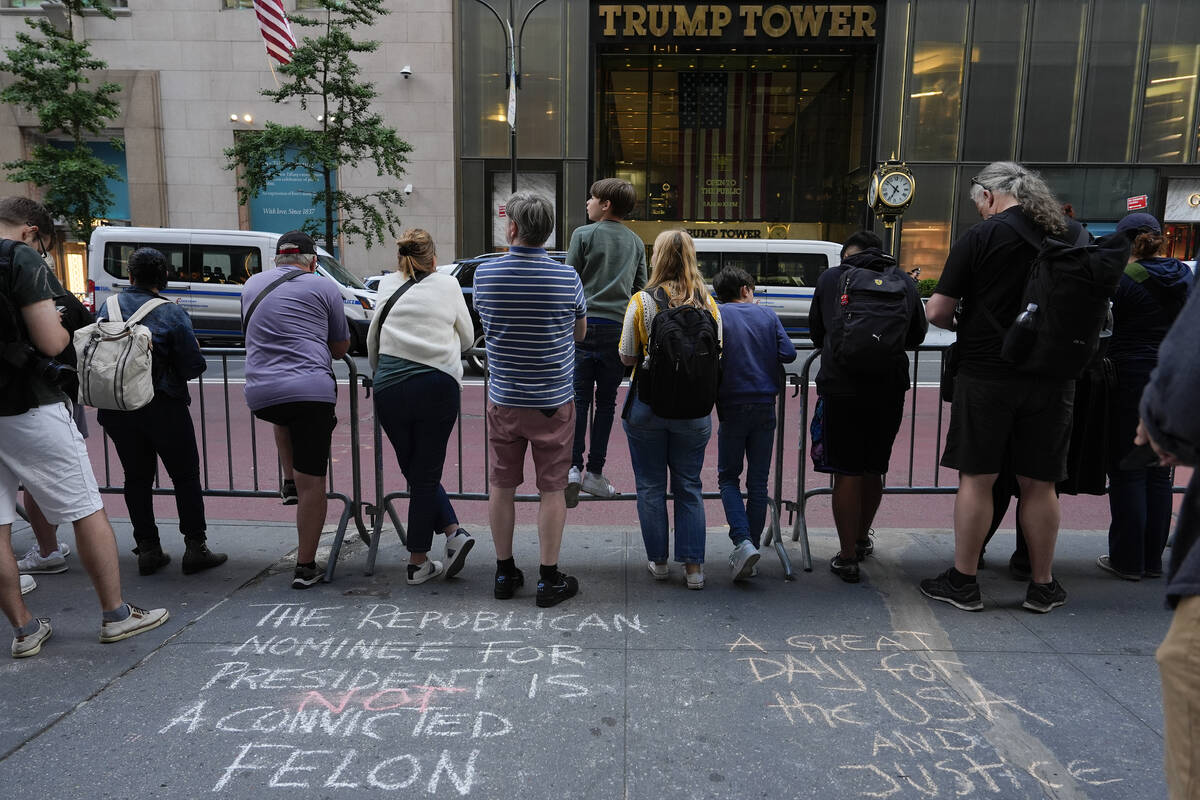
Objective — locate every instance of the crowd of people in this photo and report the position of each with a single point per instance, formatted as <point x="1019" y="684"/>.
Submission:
<point x="560" y="338"/>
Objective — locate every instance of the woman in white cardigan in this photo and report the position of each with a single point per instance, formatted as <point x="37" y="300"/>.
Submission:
<point x="416" y="354"/>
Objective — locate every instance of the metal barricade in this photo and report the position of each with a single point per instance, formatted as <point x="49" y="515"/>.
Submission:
<point x="229" y="485"/>
<point x="383" y="506"/>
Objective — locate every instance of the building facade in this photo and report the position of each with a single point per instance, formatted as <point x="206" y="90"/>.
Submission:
<point x="751" y="119"/>
<point x="191" y="73"/>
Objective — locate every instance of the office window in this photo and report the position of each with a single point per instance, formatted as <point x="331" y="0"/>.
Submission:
<point x="925" y="227"/>
<point x="1050" y="90"/>
<point x="304" y="5"/>
<point x="227" y="4"/>
<point x="1113" y="67"/>
<point x="934" y="101"/>
<point x="1169" y="103"/>
<point x="997" y="35"/>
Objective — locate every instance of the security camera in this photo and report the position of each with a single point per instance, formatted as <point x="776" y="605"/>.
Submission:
<point x="406" y="71"/>
<point x="408" y="188"/>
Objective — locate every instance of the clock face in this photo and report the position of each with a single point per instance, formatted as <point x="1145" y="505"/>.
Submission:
<point x="873" y="192"/>
<point x="895" y="189"/>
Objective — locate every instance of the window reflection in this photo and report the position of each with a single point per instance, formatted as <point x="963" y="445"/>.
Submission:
<point x="1169" y="107"/>
<point x="935" y="86"/>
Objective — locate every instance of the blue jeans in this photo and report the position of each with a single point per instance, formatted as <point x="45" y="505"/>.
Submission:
<point x="1139" y="499"/>
<point x="657" y="445"/>
<point x="746" y="432"/>
<point x="598" y="372"/>
<point x="418" y="415"/>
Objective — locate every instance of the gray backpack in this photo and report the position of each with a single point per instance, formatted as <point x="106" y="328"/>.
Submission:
<point x="115" y="362"/>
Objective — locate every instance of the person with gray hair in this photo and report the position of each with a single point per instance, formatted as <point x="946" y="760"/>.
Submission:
<point x="533" y="311"/>
<point x="995" y="408"/>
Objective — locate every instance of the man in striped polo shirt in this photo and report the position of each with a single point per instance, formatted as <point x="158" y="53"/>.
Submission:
<point x="533" y="312"/>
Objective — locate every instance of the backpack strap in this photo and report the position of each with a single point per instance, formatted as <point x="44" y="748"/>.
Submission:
<point x="112" y="307"/>
<point x="144" y="309"/>
<point x="391" y="301"/>
<point x="270" y="287"/>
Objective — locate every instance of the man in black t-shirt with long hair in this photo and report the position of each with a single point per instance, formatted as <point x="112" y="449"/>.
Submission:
<point x="996" y="409"/>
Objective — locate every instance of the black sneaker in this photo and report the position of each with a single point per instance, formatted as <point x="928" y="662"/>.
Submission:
<point x="1019" y="570"/>
<point x="965" y="597"/>
<point x="844" y="569"/>
<point x="1043" y="597"/>
<point x="865" y="547"/>
<point x="562" y="588"/>
<point x="288" y="494"/>
<point x="307" y="577"/>
<point x="151" y="559"/>
<point x="507" y="583"/>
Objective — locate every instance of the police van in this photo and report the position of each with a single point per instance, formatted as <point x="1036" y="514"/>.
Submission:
<point x="785" y="272"/>
<point x="206" y="270"/>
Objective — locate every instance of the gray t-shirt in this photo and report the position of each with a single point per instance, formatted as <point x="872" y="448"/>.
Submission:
<point x="30" y="281"/>
<point x="287" y="344"/>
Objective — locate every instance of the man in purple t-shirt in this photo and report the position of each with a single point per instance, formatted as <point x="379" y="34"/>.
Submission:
<point x="292" y="336"/>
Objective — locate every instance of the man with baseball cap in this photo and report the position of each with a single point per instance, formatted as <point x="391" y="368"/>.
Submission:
<point x="294" y="327"/>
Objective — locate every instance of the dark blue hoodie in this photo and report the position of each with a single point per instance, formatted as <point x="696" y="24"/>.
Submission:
<point x="1151" y="293"/>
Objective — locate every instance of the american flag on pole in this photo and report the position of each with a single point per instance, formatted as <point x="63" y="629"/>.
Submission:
<point x="276" y="30"/>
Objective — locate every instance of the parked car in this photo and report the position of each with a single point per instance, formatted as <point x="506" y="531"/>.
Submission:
<point x="372" y="281"/>
<point x="206" y="270"/>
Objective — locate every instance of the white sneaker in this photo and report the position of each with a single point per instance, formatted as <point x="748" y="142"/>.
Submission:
<point x="574" y="476"/>
<point x="35" y="562"/>
<point x="458" y="545"/>
<point x="418" y="574"/>
<point x="597" y="485"/>
<point x="31" y="644"/>
<point x="742" y="560"/>
<point x="695" y="580"/>
<point x="139" y="621"/>
<point x="28" y="584"/>
<point x="659" y="571"/>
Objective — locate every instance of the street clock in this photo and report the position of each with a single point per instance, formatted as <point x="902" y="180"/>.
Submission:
<point x="891" y="191"/>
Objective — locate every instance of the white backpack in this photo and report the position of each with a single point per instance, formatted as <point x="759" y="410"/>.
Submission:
<point x="114" y="359"/>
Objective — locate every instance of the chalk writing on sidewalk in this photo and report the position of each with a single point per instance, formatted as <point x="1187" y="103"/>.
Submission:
<point x="339" y="697"/>
<point x="913" y="722"/>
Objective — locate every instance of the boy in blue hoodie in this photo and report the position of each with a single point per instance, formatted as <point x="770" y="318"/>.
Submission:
<point x="754" y="346"/>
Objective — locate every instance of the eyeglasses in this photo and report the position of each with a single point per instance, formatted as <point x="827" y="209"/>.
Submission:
<point x="975" y="181"/>
<point x="41" y="244"/>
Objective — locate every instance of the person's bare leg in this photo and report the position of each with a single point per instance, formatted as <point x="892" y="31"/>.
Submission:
<point x="97" y="546"/>
<point x="1039" y="512"/>
<point x="847" y="511"/>
<point x="973" y="507"/>
<point x="310" y="515"/>
<point x="42" y="529"/>
<point x="552" y="516"/>
<point x="502" y="516"/>
<point x="283" y="446"/>
<point x="10" y="583"/>
<point x="872" y="496"/>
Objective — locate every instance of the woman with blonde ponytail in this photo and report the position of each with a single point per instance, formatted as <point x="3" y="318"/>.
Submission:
<point x="658" y="445"/>
<point x="415" y="344"/>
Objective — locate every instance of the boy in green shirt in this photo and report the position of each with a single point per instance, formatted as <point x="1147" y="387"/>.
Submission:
<point x="611" y="261"/>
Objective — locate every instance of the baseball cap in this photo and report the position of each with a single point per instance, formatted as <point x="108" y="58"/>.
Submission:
<point x="1138" y="221"/>
<point x="297" y="242"/>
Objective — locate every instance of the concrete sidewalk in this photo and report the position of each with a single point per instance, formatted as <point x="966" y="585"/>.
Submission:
<point x="635" y="689"/>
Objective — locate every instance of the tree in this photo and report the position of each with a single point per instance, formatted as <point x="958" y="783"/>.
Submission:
<point x="325" y="80"/>
<point x="50" y="80"/>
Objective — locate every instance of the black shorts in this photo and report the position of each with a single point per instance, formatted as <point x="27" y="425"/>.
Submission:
<point x="1027" y="417"/>
<point x="852" y="434"/>
<point x="310" y="429"/>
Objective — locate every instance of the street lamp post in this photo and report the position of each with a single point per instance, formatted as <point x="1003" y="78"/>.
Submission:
<point x="512" y="77"/>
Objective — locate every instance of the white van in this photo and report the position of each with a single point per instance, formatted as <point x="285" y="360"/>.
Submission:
<point x="206" y="271"/>
<point x="785" y="272"/>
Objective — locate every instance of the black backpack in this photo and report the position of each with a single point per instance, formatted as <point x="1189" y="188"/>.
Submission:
<point x="876" y="313"/>
<point x="1070" y="283"/>
<point x="16" y="391"/>
<point x="683" y="365"/>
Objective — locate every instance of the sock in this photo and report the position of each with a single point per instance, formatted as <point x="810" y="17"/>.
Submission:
<point x="548" y="572"/>
<point x="28" y="628"/>
<point x="506" y="565"/>
<point x="959" y="580"/>
<point x="117" y="614"/>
